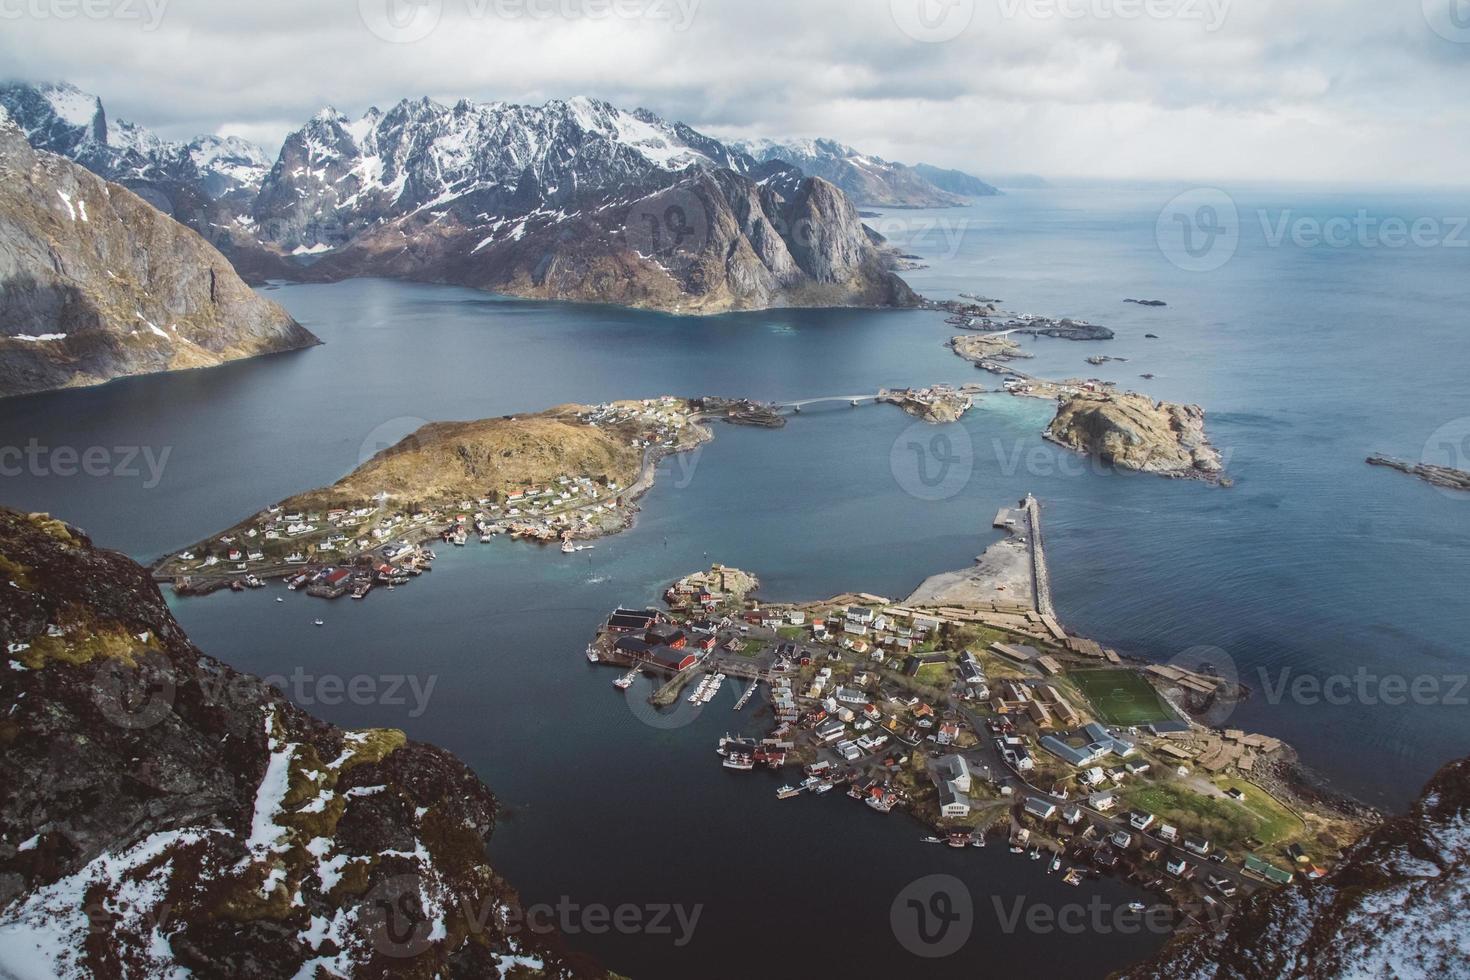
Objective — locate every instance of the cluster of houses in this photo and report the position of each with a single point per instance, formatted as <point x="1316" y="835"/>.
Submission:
<point x="660" y="420"/>
<point x="866" y="631"/>
<point x="645" y="636"/>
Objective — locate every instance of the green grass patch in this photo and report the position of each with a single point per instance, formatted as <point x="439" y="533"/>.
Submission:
<point x="1121" y="697"/>
<point x="749" y="648"/>
<point x="1278" y="825"/>
<point x="933" y="675"/>
<point x="1224" y="822"/>
<point x="791" y="632"/>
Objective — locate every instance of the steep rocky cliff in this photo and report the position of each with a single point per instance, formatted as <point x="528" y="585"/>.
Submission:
<point x="162" y="813"/>
<point x="96" y="284"/>
<point x="1397" y="906"/>
<point x="576" y="200"/>
<point x="1134" y="432"/>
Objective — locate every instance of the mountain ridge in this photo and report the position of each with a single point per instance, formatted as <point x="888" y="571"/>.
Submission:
<point x="575" y="199"/>
<point x="869" y="180"/>
<point x="96" y="284"/>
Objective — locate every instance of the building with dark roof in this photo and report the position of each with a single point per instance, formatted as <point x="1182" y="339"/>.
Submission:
<point x="631" y="620"/>
<point x="656" y="655"/>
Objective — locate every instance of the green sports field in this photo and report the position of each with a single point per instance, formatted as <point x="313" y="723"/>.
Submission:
<point x="1121" y="697"/>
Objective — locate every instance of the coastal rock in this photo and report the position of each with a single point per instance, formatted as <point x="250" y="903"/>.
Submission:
<point x="1135" y="432"/>
<point x="1397" y="905"/>
<point x="96" y="284"/>
<point x="1440" y="476"/>
<point x="163" y="812"/>
<point x="938" y="404"/>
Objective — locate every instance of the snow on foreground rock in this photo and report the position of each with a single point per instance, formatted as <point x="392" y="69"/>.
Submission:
<point x="1398" y="906"/>
<point x="163" y="815"/>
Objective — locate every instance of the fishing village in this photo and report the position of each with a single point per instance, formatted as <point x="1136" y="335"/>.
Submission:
<point x="968" y="706"/>
<point x="563" y="477"/>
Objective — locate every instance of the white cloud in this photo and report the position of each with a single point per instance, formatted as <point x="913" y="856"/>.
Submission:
<point x="1351" y="90"/>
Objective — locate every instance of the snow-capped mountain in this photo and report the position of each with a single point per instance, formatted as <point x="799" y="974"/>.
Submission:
<point x="62" y="119"/>
<point x="336" y="176"/>
<point x="575" y="199"/>
<point x="867" y="179"/>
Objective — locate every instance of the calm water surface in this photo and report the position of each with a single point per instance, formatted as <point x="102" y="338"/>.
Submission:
<point x="1306" y="360"/>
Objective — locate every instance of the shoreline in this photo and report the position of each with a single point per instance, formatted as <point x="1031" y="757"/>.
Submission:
<point x="850" y="719"/>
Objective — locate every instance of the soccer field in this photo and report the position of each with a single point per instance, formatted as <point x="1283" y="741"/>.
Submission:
<point x="1121" y="697"/>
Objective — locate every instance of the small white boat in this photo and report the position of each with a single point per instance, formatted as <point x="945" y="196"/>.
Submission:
<point x="567" y="547"/>
<point x="279" y="599"/>
<point x="787" y="792"/>
<point x="592" y="654"/>
<point x="1056" y="863"/>
<point x="1136" y="907"/>
<point x="319" y="623"/>
<point x="932" y="840"/>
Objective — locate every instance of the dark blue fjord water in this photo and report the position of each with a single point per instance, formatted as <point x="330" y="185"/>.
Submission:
<point x="1306" y="358"/>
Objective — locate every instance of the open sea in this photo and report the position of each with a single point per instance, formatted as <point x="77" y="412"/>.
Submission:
<point x="1307" y="357"/>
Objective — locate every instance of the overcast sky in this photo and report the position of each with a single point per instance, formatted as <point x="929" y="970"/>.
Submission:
<point x="1344" y="91"/>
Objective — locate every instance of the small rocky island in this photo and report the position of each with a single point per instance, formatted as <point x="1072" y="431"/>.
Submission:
<point x="1133" y="431"/>
<point x="1124" y="429"/>
<point x="938" y="404"/>
<point x="1440" y="476"/>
